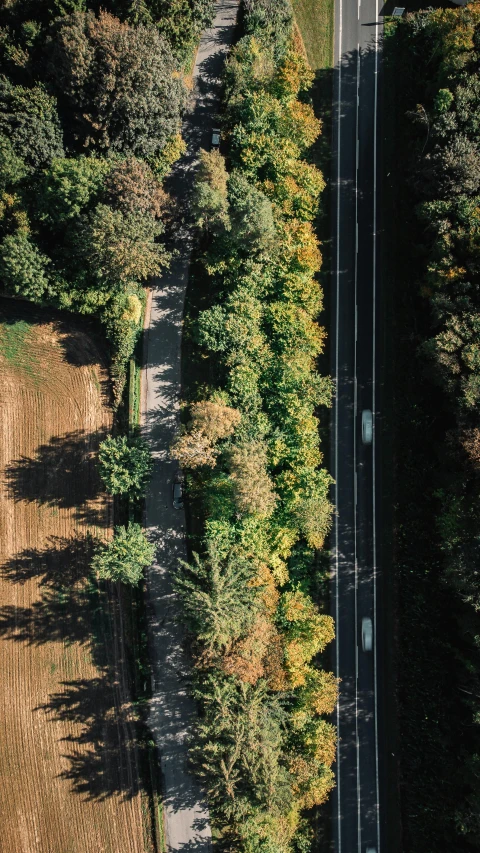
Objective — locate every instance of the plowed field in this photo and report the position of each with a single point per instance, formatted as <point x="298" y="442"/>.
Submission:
<point x="69" y="763"/>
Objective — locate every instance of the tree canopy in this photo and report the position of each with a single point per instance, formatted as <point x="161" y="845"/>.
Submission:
<point x="117" y="84"/>
<point x="125" y="556"/>
<point x="124" y="463"/>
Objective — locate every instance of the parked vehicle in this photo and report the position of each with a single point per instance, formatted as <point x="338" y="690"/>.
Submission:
<point x="367" y="636"/>
<point x="215" y="141"/>
<point x="367" y="426"/>
<point x="177" y="491"/>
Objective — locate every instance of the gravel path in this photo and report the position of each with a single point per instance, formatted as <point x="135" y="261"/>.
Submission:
<point x="172" y="711"/>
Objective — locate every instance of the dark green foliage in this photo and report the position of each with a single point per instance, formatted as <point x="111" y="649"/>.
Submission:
<point x="81" y="227"/>
<point x="181" y="22"/>
<point x="28" y="118"/>
<point x="122" y="319"/>
<point x="218" y="599"/>
<point x="116" y="84"/>
<point x="12" y="167"/>
<point x="251" y="215"/>
<point x="438" y="110"/>
<point x="68" y="186"/>
<point x="238" y="748"/>
<point x="124" y="464"/>
<point x="118" y="247"/>
<point x="23" y="268"/>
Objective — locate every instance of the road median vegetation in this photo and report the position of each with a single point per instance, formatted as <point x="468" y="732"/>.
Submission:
<point x="250" y="445"/>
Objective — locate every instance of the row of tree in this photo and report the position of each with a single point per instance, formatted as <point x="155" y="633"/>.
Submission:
<point x="90" y="112"/>
<point x="124" y="465"/>
<point x="264" y="746"/>
<point x="437" y="55"/>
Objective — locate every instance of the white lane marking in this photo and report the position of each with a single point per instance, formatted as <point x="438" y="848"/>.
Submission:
<point x="337" y="610"/>
<point x="357" y="739"/>
<point x="374" y="277"/>
<point x="358" y="9"/>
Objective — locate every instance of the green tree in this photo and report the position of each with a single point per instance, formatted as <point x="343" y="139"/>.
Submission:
<point x="181" y="21"/>
<point x="121" y="317"/>
<point x="313" y="509"/>
<point x="28" y="117"/>
<point x="23" y="267"/>
<point x="124" y="464"/>
<point x="12" y="167"/>
<point x="251" y="215"/>
<point x="117" y="85"/>
<point x="120" y="247"/>
<point x="270" y="20"/>
<point x="238" y="748"/>
<point x="68" y="186"/>
<point x="218" y="600"/>
<point x="210" y="199"/>
<point x="125" y="556"/>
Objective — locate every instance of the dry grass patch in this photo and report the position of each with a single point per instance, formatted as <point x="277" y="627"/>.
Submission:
<point x="70" y="779"/>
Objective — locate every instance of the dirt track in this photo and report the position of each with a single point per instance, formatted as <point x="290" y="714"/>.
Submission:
<point x="69" y="764"/>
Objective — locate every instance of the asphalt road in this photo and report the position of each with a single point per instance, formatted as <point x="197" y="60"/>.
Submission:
<point x="359" y="799"/>
<point x="172" y="710"/>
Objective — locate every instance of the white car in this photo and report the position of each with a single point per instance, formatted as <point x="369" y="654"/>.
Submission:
<point x="370" y="850"/>
<point x="177" y="495"/>
<point x="367" y="426"/>
<point x="367" y="637"/>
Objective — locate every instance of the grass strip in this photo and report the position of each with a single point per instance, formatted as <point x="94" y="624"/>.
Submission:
<point x="315" y="19"/>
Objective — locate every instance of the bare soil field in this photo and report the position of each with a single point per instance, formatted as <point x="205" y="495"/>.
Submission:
<point x="70" y="765"/>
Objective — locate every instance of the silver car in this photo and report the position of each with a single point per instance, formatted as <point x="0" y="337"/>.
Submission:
<point x="367" y="426"/>
<point x="215" y="141"/>
<point x="177" y="495"/>
<point x="367" y="635"/>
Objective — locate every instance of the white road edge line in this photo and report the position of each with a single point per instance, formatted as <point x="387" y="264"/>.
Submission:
<point x="357" y="740"/>
<point x="374" y="277"/>
<point x="337" y="609"/>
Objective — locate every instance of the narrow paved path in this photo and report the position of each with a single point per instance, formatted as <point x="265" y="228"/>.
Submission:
<point x="171" y="709"/>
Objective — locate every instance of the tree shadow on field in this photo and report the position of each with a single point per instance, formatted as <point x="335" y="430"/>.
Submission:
<point x="79" y="349"/>
<point x="74" y="608"/>
<point x="71" y="604"/>
<point x="106" y="754"/>
<point x="62" y="473"/>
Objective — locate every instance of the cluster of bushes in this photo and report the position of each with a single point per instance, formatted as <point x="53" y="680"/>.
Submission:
<point x="90" y="111"/>
<point x="264" y="746"/>
<point x="436" y="55"/>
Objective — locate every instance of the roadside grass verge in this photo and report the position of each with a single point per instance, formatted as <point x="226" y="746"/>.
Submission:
<point x="315" y="19"/>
